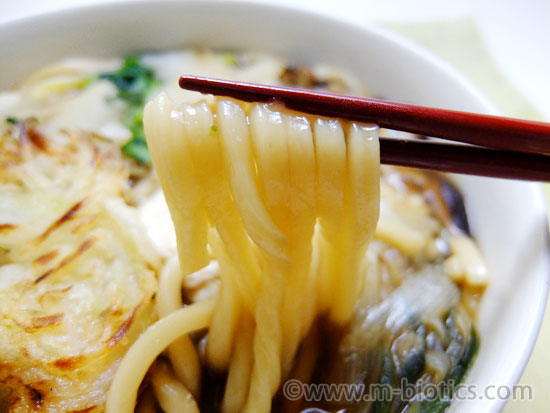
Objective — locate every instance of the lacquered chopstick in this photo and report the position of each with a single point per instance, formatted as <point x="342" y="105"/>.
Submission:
<point x="465" y="159"/>
<point x="483" y="130"/>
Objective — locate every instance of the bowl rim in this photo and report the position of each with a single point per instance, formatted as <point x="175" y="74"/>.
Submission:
<point x="540" y="208"/>
<point x="374" y="29"/>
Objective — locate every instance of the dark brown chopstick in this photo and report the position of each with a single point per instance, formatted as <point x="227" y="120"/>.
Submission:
<point x="483" y="130"/>
<point x="519" y="148"/>
<point x="465" y="159"/>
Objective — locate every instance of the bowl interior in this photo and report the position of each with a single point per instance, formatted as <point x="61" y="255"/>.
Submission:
<point x="508" y="218"/>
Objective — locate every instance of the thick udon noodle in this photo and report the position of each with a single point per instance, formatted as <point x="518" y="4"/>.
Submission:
<point x="288" y="205"/>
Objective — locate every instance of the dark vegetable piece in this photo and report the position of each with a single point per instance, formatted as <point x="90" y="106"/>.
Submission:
<point x="301" y="77"/>
<point x="455" y="204"/>
<point x="388" y="378"/>
<point x="441" y="403"/>
<point x="435" y="406"/>
<point x="314" y="410"/>
<point x="12" y="120"/>
<point x="134" y="82"/>
<point x="459" y="371"/>
<point x="409" y="352"/>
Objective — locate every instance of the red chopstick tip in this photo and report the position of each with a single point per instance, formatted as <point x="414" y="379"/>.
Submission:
<point x="186" y="80"/>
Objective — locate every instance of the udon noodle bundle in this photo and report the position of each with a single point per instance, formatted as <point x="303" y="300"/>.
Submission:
<point x="286" y="205"/>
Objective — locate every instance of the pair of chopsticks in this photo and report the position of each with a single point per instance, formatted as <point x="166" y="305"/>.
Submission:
<point x="499" y="147"/>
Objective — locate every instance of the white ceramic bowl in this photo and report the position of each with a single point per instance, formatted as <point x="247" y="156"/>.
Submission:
<point x="508" y="218"/>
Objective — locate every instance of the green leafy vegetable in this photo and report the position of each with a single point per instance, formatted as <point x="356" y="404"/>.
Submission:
<point x="12" y="120"/>
<point x="87" y="81"/>
<point x="134" y="82"/>
<point x="137" y="149"/>
<point x="230" y="59"/>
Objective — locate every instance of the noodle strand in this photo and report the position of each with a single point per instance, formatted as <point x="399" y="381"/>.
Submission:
<point x="172" y="396"/>
<point x="182" y="352"/>
<point x="240" y="368"/>
<point x="123" y="391"/>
